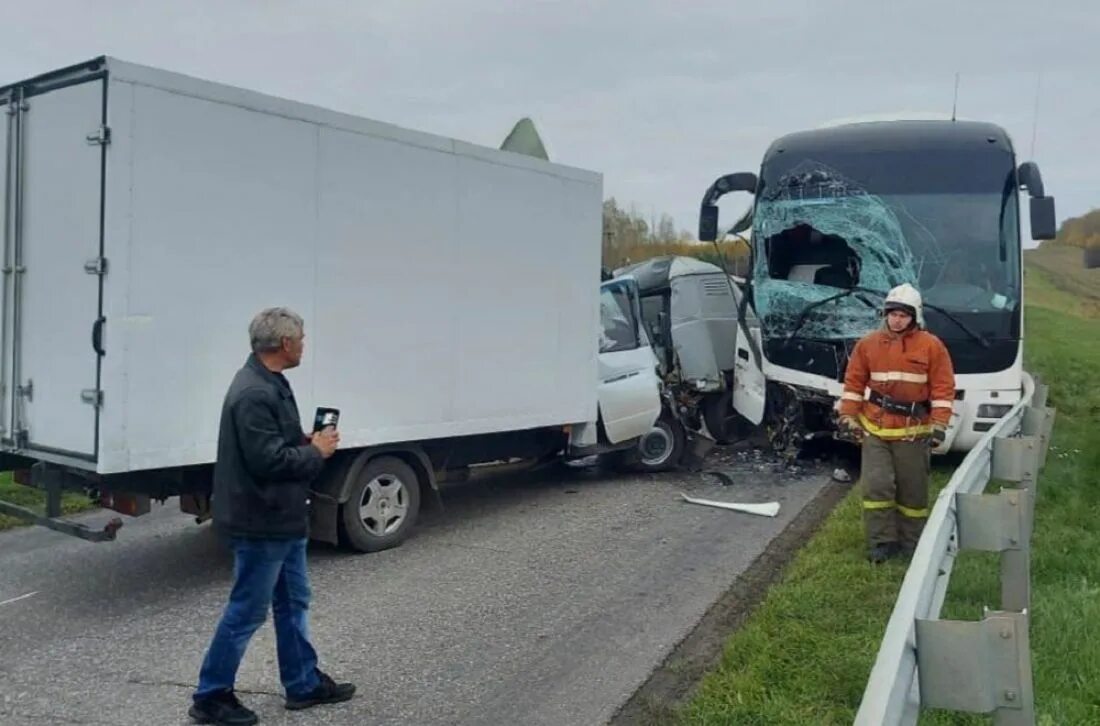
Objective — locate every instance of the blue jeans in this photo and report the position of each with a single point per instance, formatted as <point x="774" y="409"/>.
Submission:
<point x="266" y="573"/>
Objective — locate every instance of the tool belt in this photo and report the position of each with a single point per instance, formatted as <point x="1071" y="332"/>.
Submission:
<point x="910" y="409"/>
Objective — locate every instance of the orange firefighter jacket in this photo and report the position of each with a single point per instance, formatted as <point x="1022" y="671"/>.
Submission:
<point x="909" y="367"/>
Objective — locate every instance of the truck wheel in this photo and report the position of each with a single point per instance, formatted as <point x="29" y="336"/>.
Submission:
<point x="659" y="450"/>
<point x="382" y="505"/>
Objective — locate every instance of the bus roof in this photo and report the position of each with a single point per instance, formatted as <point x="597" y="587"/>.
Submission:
<point x="894" y="135"/>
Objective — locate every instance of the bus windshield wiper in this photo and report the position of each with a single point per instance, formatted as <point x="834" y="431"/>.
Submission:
<point x="815" y="305"/>
<point x="962" y="326"/>
<point x="981" y="339"/>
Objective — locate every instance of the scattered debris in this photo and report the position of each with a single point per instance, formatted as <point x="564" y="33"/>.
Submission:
<point x="768" y="509"/>
<point x="724" y="478"/>
<point x="841" y="475"/>
<point x="752" y="462"/>
<point x="588" y="462"/>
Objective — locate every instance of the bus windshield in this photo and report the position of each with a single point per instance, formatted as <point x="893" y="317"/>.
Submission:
<point x="946" y="223"/>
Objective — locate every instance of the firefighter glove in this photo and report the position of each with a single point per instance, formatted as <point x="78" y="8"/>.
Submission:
<point x="939" y="435"/>
<point x="852" y="426"/>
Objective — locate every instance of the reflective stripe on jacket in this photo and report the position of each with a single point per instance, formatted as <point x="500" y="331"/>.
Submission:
<point x="911" y="367"/>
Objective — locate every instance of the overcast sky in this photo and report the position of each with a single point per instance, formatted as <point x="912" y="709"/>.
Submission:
<point x="661" y="99"/>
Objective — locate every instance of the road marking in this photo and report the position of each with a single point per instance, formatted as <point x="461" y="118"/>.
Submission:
<point x="17" y="599"/>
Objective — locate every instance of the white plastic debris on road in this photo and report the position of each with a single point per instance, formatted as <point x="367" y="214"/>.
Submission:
<point x="842" y="475"/>
<point x="767" y="509"/>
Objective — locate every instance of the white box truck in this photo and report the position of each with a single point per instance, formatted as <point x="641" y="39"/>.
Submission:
<point x="451" y="294"/>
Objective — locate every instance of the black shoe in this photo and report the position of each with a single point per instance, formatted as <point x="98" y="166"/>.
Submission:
<point x="882" y="552"/>
<point x="327" y="691"/>
<point x="222" y="709"/>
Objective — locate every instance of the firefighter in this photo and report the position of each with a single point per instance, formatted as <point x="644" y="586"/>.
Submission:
<point x="899" y="388"/>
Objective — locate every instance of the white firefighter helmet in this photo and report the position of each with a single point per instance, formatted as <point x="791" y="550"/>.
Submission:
<point x="906" y="298"/>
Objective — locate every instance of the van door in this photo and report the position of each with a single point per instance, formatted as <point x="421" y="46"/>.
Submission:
<point x="53" y="333"/>
<point x="629" y="390"/>
<point x="749" y="383"/>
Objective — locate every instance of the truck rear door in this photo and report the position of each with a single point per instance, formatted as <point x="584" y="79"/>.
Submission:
<point x="53" y="262"/>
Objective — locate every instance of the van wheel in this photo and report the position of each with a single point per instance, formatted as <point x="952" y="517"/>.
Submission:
<point x="382" y="506"/>
<point x="660" y="449"/>
<point x="723" y="423"/>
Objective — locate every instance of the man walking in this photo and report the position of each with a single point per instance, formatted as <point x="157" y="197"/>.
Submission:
<point x="261" y="486"/>
<point x="898" y="392"/>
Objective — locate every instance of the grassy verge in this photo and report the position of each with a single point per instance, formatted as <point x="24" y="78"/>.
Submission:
<point x="805" y="655"/>
<point x="35" y="499"/>
<point x="1079" y="288"/>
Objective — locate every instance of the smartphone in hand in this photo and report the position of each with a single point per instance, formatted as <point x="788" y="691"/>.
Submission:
<point x="325" y="417"/>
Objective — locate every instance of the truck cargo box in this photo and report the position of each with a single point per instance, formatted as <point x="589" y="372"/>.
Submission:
<point x="448" y="289"/>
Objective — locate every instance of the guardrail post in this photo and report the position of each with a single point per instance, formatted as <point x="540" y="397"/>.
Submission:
<point x="1001" y="523"/>
<point x="1017" y="461"/>
<point x="1041" y="396"/>
<point x="982" y="667"/>
<point x="1039" y="422"/>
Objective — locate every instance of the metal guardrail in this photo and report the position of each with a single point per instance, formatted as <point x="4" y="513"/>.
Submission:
<point x="983" y="666"/>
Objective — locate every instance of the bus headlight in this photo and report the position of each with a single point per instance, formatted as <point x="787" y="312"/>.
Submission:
<point x="993" y="410"/>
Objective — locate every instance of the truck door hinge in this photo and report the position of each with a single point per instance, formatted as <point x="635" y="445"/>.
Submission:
<point x="26" y="391"/>
<point x="96" y="266"/>
<point x="99" y="137"/>
<point x="92" y="396"/>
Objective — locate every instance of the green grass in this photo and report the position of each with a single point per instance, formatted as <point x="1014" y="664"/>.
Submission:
<point x="34" y="499"/>
<point x="1079" y="288"/>
<point x="805" y="654"/>
<point x="1069" y="294"/>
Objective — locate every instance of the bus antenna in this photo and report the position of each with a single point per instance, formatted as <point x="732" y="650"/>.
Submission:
<point x="1035" y="115"/>
<point x="955" y="103"/>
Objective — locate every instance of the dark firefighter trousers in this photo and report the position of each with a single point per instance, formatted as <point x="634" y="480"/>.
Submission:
<point x="894" y="475"/>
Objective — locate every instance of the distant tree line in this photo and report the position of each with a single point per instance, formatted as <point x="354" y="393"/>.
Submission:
<point x="629" y="237"/>
<point x="1083" y="231"/>
<point x="628" y="228"/>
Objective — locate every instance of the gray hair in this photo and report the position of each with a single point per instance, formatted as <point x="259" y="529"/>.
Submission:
<point x="270" y="326"/>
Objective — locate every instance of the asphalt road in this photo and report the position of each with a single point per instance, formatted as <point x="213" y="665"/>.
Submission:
<point x="530" y="600"/>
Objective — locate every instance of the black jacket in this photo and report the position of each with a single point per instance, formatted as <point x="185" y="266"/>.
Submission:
<point x="264" y="466"/>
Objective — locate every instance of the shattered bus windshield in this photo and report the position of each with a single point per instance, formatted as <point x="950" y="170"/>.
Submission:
<point x="946" y="223"/>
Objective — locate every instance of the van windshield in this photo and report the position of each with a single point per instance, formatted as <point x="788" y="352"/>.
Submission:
<point x="617" y="329"/>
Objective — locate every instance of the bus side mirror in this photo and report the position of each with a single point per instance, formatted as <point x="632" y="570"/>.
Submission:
<point x="1029" y="177"/>
<point x="708" y="223"/>
<point x="1043" y="223"/>
<point x="744" y="181"/>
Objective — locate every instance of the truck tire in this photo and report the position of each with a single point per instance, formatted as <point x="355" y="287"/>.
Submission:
<point x="382" y="505"/>
<point x="659" y="450"/>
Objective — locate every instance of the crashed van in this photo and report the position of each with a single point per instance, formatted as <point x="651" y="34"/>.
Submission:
<point x="844" y="213"/>
<point x="689" y="309"/>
